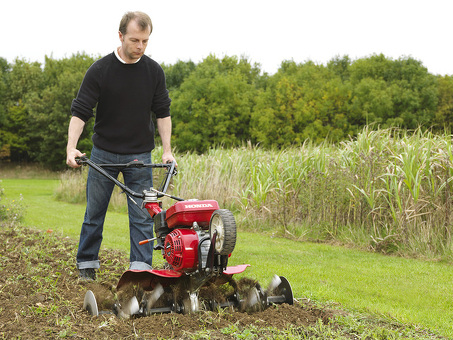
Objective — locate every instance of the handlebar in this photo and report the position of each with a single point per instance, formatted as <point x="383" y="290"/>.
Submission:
<point x="171" y="171"/>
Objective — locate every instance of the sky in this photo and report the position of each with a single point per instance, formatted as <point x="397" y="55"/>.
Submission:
<point x="264" y="31"/>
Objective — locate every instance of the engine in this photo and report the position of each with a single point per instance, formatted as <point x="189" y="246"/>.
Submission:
<point x="182" y="233"/>
<point x="185" y="248"/>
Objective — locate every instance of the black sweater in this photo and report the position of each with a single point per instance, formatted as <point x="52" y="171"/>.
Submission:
<point x="125" y="95"/>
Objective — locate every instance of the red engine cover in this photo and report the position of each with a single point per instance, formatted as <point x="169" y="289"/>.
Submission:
<point x="184" y="213"/>
<point x="181" y="249"/>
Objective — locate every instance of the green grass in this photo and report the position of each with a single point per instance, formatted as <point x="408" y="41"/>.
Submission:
<point x="407" y="290"/>
<point x="44" y="212"/>
<point x="411" y="291"/>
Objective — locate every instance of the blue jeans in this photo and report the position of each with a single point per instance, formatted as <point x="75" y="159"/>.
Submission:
<point x="99" y="190"/>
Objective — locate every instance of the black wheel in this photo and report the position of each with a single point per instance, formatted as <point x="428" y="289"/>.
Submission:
<point x="223" y="223"/>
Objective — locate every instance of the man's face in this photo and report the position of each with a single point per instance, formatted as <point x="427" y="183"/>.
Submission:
<point x="134" y="42"/>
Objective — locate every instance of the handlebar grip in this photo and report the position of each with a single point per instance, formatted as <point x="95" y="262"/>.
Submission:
<point x="82" y="160"/>
<point x="147" y="241"/>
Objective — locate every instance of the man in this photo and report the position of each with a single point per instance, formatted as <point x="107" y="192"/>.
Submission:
<point x="126" y="86"/>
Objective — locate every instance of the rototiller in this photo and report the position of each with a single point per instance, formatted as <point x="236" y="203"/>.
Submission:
<point x="196" y="238"/>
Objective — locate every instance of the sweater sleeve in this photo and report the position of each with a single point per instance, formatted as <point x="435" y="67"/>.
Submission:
<point x="88" y="95"/>
<point x="161" y="101"/>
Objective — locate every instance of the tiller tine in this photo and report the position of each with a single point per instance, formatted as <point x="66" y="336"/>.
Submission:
<point x="130" y="308"/>
<point x="279" y="291"/>
<point x="90" y="304"/>
<point x="125" y="312"/>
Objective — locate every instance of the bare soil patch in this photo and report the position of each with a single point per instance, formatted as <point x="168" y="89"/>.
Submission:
<point x="42" y="297"/>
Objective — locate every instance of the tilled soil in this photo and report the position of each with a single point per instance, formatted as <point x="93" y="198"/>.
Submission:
<point x="41" y="296"/>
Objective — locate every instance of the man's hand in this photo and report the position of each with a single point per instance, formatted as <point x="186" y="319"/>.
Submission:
<point x="71" y="155"/>
<point x="167" y="157"/>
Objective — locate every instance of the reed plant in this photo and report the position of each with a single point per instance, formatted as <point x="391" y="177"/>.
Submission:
<point x="388" y="190"/>
<point x="72" y="189"/>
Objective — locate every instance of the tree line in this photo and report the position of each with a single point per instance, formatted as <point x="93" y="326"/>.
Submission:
<point x="228" y="101"/>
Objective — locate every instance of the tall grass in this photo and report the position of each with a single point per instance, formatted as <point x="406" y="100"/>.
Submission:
<point x="72" y="189"/>
<point x="388" y="189"/>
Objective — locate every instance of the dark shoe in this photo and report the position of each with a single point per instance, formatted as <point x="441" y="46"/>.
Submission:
<point x="87" y="274"/>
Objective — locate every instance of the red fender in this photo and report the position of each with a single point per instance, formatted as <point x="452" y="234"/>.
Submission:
<point x="147" y="279"/>
<point x="235" y="269"/>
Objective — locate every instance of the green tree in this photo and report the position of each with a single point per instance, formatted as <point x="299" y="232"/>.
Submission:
<point x="340" y="66"/>
<point x="392" y="92"/>
<point x="22" y="81"/>
<point x="301" y="101"/>
<point x="213" y="104"/>
<point x="444" y="114"/>
<point x="50" y="110"/>
<point x="176" y="73"/>
<point x="4" y="73"/>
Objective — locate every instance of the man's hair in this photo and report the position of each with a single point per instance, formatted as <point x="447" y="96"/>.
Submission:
<point x="143" y="20"/>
